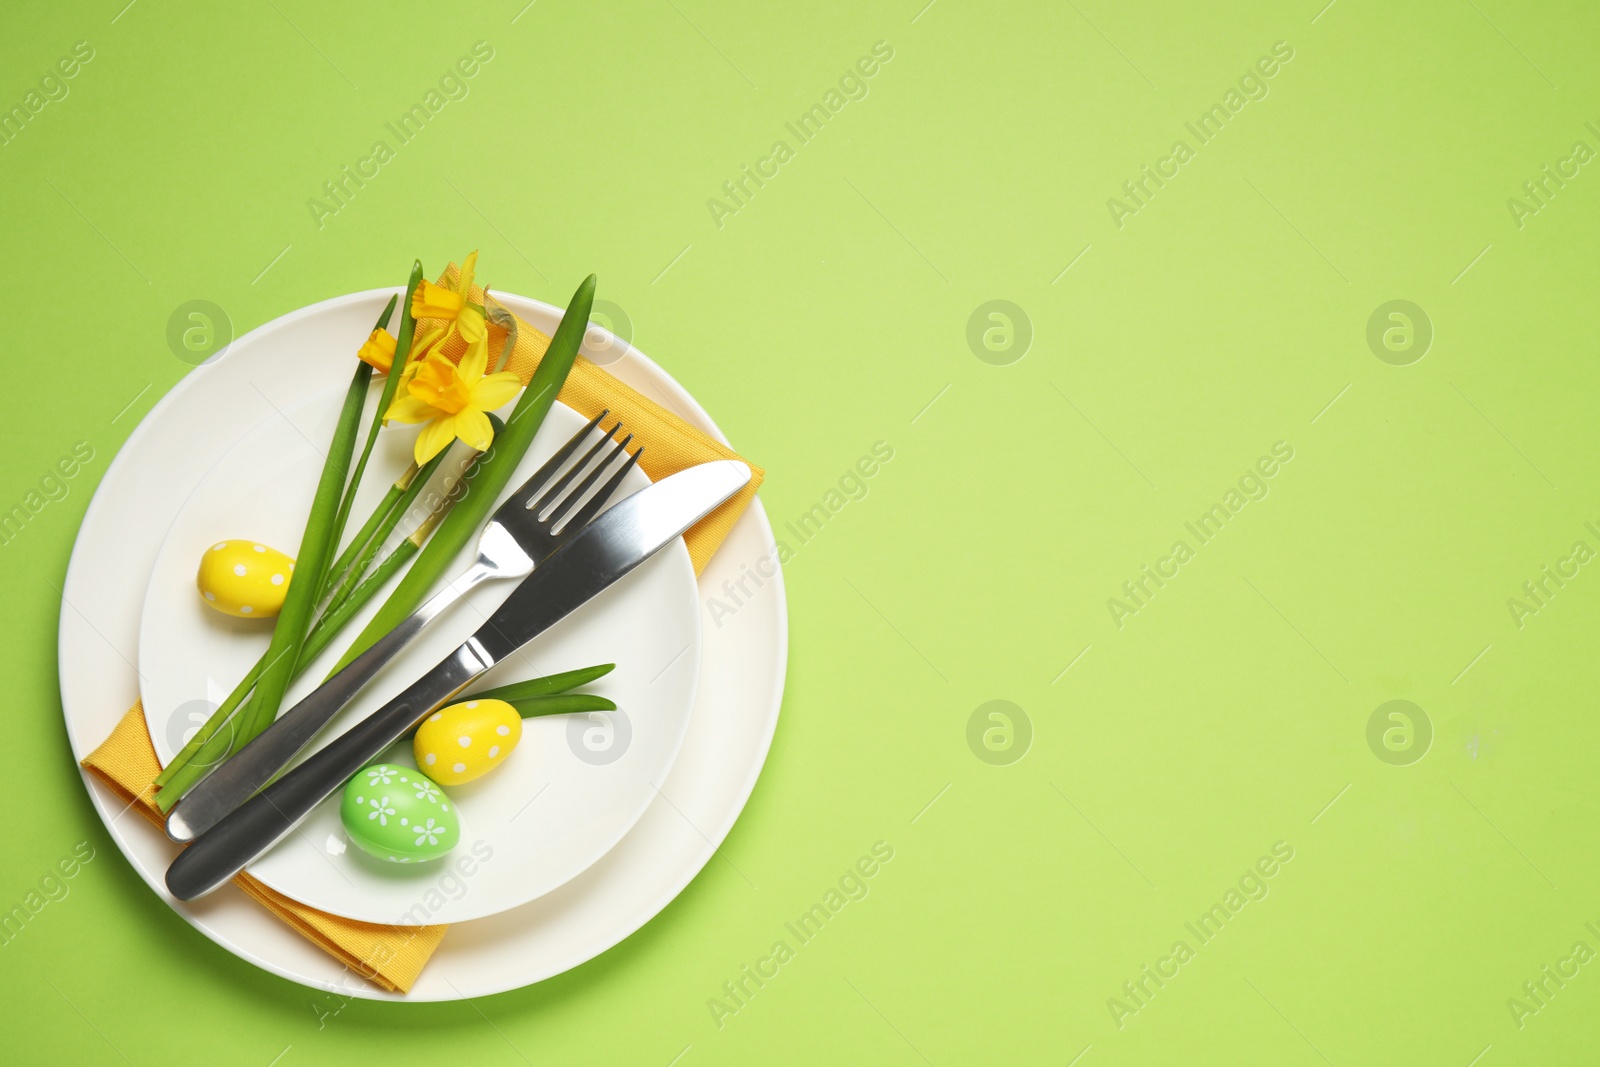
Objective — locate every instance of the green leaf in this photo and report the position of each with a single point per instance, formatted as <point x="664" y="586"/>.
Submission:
<point x="546" y="686"/>
<point x="562" y="704"/>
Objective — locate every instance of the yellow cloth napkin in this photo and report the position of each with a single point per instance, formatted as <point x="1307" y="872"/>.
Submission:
<point x="390" y="956"/>
<point x="393" y="956"/>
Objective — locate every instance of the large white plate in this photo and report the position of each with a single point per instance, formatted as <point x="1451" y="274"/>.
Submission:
<point x="736" y="705"/>
<point x="564" y="795"/>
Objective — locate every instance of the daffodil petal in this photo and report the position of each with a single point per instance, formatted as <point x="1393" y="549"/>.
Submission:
<point x="495" y="390"/>
<point x="474" y="361"/>
<point x="435" y="438"/>
<point x="422" y="346"/>
<point x="469" y="324"/>
<point x="407" y="408"/>
<point x="473" y="427"/>
<point x="469" y="267"/>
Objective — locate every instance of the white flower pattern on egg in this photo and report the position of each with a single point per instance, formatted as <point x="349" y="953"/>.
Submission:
<point x="405" y="822"/>
<point x="381" y="810"/>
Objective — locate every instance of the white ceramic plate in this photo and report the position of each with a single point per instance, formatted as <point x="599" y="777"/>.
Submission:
<point x="565" y="794"/>
<point x="736" y="704"/>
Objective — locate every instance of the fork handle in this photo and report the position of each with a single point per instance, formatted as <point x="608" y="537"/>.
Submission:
<point x="235" y="780"/>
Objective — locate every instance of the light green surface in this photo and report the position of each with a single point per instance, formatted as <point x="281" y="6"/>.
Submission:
<point x="826" y="314"/>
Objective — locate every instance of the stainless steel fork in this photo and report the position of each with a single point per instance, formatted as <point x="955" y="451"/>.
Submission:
<point x="530" y="525"/>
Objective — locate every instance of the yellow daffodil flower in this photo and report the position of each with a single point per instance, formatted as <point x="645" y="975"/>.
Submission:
<point x="379" y="350"/>
<point x="430" y="301"/>
<point x="452" y="399"/>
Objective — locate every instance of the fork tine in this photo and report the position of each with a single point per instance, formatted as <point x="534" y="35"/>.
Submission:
<point x="572" y="498"/>
<point x="592" y="507"/>
<point x="542" y="506"/>
<point x="553" y="464"/>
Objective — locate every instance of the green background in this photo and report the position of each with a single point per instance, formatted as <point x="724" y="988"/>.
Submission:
<point x="1230" y="312"/>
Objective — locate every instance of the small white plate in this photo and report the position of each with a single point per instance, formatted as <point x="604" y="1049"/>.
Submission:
<point x="736" y="705"/>
<point x="565" y="794"/>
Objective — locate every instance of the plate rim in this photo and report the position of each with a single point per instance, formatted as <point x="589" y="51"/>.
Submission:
<point x="694" y="858"/>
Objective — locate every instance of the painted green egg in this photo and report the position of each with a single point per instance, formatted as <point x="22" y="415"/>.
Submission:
<point x="399" y="815"/>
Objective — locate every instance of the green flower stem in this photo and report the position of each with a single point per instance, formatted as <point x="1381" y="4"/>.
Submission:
<point x="214" y="751"/>
<point x="358" y="543"/>
<point x="294" y="619"/>
<point x="401" y="495"/>
<point x="342" y="610"/>
<point x="483" y="484"/>
<point x="329" y="625"/>
<point x="402" y="350"/>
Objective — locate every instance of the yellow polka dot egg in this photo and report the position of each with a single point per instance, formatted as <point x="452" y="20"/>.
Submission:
<point x="467" y="740"/>
<point x="245" y="579"/>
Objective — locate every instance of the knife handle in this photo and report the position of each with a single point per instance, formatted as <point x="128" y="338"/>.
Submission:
<point x="261" y="822"/>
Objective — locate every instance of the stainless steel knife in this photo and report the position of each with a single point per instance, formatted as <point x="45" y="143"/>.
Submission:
<point x="623" y="537"/>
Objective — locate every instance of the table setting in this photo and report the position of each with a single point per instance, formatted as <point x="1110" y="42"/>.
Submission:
<point x="497" y="759"/>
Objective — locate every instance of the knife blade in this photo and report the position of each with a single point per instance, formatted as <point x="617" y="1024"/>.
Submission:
<point x="624" y="536"/>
